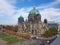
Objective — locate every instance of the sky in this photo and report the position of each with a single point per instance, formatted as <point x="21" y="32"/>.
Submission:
<point x="10" y="10"/>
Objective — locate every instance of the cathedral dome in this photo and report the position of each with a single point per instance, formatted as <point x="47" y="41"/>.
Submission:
<point x="34" y="15"/>
<point x="34" y="11"/>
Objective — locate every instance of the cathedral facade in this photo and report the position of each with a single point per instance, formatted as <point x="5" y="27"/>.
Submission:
<point x="33" y="24"/>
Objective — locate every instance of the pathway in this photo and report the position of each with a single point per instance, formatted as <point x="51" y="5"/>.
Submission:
<point x="29" y="42"/>
<point x="57" y="41"/>
<point x="2" y="42"/>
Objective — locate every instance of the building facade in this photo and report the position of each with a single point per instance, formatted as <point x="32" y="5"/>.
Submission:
<point x="33" y="25"/>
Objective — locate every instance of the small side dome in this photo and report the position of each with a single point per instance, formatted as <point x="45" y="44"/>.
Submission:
<point x="45" y="21"/>
<point x="34" y="11"/>
<point x="20" y="19"/>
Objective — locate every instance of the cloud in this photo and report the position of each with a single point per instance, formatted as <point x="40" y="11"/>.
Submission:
<point x="12" y="2"/>
<point x="6" y="12"/>
<point x="58" y="0"/>
<point x="22" y="12"/>
<point x="51" y="14"/>
<point x="47" y="12"/>
<point x="6" y="9"/>
<point x="49" y="5"/>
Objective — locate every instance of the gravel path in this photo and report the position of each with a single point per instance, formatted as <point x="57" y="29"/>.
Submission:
<point x="2" y="42"/>
<point x="29" y="42"/>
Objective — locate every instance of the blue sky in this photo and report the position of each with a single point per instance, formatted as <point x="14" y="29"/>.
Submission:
<point x="10" y="10"/>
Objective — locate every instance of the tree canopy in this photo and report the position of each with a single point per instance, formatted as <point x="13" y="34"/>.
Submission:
<point x="51" y="32"/>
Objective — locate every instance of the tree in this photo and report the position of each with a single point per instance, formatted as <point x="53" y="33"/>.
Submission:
<point x="51" y="32"/>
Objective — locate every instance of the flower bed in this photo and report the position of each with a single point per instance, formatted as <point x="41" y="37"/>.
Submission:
<point x="10" y="32"/>
<point x="25" y="35"/>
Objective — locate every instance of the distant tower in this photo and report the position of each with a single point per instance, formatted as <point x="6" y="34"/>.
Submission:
<point x="45" y="24"/>
<point x="45" y="21"/>
<point x="20" y="24"/>
<point x="20" y="19"/>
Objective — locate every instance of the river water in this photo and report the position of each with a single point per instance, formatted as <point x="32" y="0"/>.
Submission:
<point x="56" y="41"/>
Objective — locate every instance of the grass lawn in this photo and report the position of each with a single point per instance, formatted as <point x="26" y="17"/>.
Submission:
<point x="9" y="39"/>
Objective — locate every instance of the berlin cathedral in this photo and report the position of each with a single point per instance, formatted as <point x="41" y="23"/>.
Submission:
<point x="33" y="24"/>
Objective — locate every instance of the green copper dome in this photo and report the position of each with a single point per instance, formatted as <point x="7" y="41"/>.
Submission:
<point x="34" y="11"/>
